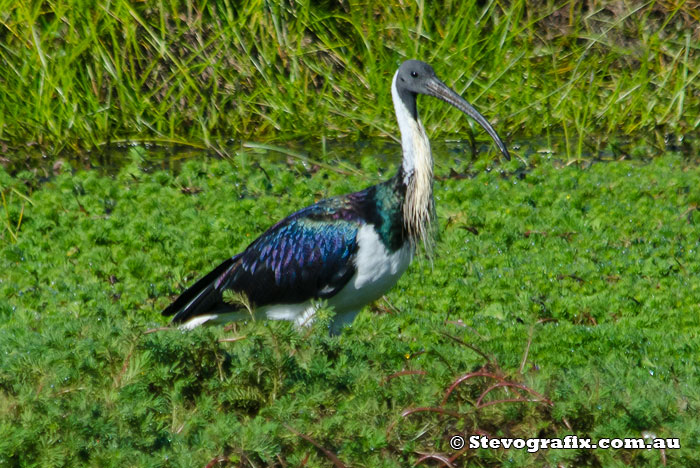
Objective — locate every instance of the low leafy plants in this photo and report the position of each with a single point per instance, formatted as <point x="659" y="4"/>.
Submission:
<point x="561" y="300"/>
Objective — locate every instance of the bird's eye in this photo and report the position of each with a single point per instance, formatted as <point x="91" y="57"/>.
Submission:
<point x="414" y="74"/>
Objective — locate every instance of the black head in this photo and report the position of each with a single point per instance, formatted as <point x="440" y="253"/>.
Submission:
<point x="413" y="76"/>
<point x="416" y="77"/>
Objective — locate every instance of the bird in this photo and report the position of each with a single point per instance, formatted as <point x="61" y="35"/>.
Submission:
<point x="346" y="251"/>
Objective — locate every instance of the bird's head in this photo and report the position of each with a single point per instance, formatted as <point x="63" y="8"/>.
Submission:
<point x="415" y="77"/>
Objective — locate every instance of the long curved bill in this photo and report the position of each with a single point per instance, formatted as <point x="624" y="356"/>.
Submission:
<point x="440" y="90"/>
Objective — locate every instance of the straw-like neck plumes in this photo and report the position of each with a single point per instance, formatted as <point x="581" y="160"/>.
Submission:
<point x="419" y="206"/>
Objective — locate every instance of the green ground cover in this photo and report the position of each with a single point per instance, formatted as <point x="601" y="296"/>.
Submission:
<point x="576" y="283"/>
<point x="77" y="75"/>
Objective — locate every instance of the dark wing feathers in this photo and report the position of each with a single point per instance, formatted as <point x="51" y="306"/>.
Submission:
<point x="296" y="261"/>
<point x="309" y="254"/>
<point x="201" y="296"/>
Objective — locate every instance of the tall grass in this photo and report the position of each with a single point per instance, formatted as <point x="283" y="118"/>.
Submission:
<point x="77" y="74"/>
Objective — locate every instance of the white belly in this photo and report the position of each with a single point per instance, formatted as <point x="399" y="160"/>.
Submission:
<point x="378" y="270"/>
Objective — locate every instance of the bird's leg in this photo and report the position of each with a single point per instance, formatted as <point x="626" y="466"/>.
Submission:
<point x="341" y="320"/>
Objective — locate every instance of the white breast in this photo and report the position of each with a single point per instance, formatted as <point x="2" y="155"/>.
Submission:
<point x="378" y="270"/>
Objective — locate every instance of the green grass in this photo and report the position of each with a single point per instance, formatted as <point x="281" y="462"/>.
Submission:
<point x="577" y="284"/>
<point x="79" y="75"/>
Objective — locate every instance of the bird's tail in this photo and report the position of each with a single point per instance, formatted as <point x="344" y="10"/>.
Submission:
<point x="203" y="297"/>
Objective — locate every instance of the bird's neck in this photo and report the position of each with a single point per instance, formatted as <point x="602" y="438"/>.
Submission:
<point x="417" y="169"/>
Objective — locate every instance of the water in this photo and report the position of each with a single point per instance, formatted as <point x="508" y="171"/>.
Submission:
<point x="453" y="158"/>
